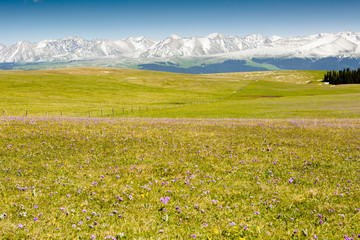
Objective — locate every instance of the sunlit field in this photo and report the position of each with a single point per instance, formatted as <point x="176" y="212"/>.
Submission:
<point x="106" y="92"/>
<point x="133" y="178"/>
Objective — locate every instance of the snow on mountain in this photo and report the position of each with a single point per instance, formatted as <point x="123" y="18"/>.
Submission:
<point x="274" y="38"/>
<point x="325" y="45"/>
<point x="18" y="52"/>
<point x="133" y="47"/>
<point x="213" y="45"/>
<point x="312" y="46"/>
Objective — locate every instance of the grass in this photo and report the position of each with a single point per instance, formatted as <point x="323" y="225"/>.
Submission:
<point x="135" y="93"/>
<point x="86" y="178"/>
<point x="284" y="164"/>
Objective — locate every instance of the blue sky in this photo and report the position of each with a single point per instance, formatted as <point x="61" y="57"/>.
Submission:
<point x="36" y="20"/>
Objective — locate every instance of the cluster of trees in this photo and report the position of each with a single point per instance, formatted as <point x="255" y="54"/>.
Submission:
<point x="346" y="76"/>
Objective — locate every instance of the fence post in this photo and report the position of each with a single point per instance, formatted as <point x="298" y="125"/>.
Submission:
<point x="3" y="112"/>
<point x="132" y="108"/>
<point x="123" y="110"/>
<point x="147" y="109"/>
<point x="26" y="114"/>
<point x="101" y="112"/>
<point x="113" y="112"/>
<point x="76" y="113"/>
<point x="139" y="108"/>
<point x="61" y="113"/>
<point x="89" y="113"/>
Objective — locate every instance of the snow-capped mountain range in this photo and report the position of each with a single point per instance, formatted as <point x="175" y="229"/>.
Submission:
<point x="344" y="44"/>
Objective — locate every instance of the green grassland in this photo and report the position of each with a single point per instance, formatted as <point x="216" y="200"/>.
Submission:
<point x="165" y="155"/>
<point x="125" y="178"/>
<point x="135" y="93"/>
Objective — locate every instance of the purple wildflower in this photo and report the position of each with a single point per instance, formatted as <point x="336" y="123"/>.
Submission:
<point x="165" y="200"/>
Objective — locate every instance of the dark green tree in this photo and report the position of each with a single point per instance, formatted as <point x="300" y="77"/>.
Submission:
<point x="345" y="76"/>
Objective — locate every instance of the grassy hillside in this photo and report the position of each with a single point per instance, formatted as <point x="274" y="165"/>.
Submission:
<point x="135" y="93"/>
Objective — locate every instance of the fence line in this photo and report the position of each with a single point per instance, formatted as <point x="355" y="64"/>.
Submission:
<point x="122" y="110"/>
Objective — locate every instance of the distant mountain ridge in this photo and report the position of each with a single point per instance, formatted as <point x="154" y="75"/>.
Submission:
<point x="216" y="45"/>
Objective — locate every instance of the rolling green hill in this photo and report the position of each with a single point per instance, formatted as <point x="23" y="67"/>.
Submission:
<point x="110" y="92"/>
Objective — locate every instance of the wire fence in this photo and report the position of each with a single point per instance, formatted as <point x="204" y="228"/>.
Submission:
<point x="118" y="111"/>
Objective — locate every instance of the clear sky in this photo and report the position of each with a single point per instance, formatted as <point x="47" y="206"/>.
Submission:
<point x="36" y="20"/>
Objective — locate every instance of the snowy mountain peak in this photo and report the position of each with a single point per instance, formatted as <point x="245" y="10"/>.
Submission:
<point x="216" y="35"/>
<point x="275" y="38"/>
<point x="254" y="37"/>
<point x="22" y="43"/>
<point x="215" y="45"/>
<point x="77" y="38"/>
<point x="175" y="36"/>
<point x="141" y="38"/>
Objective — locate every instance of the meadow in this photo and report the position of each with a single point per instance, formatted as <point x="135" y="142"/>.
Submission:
<point x="138" y="178"/>
<point x="100" y="153"/>
<point x="106" y="92"/>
